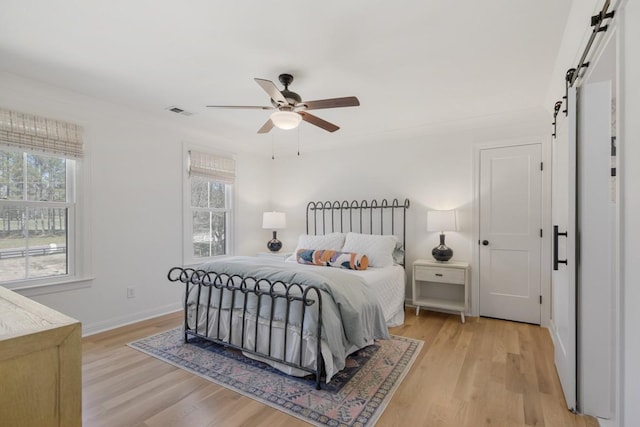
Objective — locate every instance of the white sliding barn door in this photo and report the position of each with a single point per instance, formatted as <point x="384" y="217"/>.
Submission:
<point x="563" y="277"/>
<point x="582" y="319"/>
<point x="510" y="245"/>
<point x="596" y="225"/>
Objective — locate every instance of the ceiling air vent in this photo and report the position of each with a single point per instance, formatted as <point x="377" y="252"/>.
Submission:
<point x="179" y="110"/>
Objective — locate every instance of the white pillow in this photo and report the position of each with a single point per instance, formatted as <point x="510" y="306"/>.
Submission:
<point x="332" y="241"/>
<point x="379" y="249"/>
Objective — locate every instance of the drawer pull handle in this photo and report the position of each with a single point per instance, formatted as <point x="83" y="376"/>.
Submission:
<point x="439" y="274"/>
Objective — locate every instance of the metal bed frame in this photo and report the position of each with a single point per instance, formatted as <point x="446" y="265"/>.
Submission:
<point x="363" y="217"/>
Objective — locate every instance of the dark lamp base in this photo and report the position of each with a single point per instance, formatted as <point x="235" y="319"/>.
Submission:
<point x="442" y="252"/>
<point x="274" y="245"/>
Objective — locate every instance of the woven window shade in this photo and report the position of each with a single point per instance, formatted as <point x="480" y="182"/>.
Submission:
<point x="34" y="133"/>
<point x="203" y="165"/>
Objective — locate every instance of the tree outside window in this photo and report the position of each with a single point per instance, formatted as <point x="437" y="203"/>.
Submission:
<point x="34" y="215"/>
<point x="208" y="205"/>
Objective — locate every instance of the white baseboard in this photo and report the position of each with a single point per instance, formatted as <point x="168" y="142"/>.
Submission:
<point x="92" y="329"/>
<point x="607" y="423"/>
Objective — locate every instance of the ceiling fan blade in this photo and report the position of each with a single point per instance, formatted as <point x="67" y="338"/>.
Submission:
<point x="243" y="107"/>
<point x="315" y="120"/>
<point x="272" y="91"/>
<point x="266" y="127"/>
<point x="348" y="101"/>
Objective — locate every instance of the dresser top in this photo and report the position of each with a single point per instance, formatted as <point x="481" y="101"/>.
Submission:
<point x="20" y="315"/>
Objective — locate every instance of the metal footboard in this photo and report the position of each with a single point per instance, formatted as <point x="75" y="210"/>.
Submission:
<point x="235" y="291"/>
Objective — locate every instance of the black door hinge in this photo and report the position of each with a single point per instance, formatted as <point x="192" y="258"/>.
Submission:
<point x="540" y="299"/>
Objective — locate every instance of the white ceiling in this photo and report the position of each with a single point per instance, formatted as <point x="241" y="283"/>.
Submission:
<point x="413" y="63"/>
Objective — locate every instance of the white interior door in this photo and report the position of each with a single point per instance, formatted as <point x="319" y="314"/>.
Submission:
<point x="510" y="232"/>
<point x="563" y="277"/>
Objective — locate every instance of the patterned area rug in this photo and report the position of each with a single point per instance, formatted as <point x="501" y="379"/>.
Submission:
<point x="356" y="396"/>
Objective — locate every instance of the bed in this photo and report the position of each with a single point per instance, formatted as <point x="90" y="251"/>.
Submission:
<point x="302" y="316"/>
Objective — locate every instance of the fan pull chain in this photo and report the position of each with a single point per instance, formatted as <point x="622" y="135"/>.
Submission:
<point x="298" y="141"/>
<point x="273" y="156"/>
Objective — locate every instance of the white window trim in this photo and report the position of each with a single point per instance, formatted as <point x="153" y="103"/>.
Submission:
<point x="187" y="221"/>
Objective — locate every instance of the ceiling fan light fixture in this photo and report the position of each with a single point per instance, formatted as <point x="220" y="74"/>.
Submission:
<point x="286" y="120"/>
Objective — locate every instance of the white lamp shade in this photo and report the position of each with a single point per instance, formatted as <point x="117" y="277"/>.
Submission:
<point x="274" y="220"/>
<point x="286" y="119"/>
<point x="442" y="221"/>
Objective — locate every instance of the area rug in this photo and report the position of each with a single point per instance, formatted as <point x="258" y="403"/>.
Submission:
<point x="356" y="396"/>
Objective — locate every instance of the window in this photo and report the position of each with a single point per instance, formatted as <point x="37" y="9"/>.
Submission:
<point x="208" y="215"/>
<point x="37" y="199"/>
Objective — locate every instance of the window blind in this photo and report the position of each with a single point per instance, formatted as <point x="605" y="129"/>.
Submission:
<point x="204" y="165"/>
<point x="34" y="133"/>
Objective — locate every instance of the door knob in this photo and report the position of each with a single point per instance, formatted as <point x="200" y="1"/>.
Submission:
<point x="485" y="242"/>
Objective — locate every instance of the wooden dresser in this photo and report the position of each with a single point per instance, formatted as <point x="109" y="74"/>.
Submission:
<point x="40" y="364"/>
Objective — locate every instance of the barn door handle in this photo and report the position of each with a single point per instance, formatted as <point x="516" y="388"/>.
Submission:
<point x="557" y="261"/>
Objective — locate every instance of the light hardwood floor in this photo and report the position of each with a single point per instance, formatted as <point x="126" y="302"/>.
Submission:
<point x="485" y="372"/>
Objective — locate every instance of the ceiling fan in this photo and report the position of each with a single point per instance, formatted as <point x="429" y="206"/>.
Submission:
<point x="290" y="109"/>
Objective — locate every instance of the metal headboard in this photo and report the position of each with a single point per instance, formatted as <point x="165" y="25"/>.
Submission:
<point x="360" y="217"/>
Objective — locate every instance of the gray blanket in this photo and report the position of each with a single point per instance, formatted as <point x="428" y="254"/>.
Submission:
<point x="351" y="314"/>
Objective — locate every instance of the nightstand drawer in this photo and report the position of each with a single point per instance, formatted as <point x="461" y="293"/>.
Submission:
<point x="442" y="275"/>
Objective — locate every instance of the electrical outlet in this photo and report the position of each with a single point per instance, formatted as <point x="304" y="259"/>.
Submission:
<point x="131" y="292"/>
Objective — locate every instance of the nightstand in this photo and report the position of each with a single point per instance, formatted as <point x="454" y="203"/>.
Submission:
<point x="440" y="285"/>
<point x="275" y="255"/>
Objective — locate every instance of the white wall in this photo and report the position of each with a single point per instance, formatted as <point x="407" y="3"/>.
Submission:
<point x="134" y="195"/>
<point x="435" y="171"/>
<point x="136" y="183"/>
